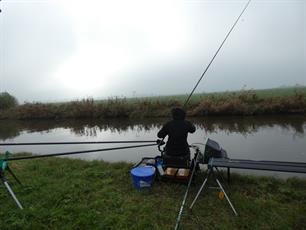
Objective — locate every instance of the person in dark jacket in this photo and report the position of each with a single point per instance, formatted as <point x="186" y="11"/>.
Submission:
<point x="177" y="131"/>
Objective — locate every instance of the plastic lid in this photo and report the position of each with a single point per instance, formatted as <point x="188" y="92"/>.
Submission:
<point x="143" y="171"/>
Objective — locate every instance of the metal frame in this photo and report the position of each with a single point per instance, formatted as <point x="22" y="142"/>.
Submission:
<point x="3" y="167"/>
<point x="9" y="189"/>
<point x="210" y="171"/>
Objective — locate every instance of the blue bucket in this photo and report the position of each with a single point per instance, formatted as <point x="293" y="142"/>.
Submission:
<point x="143" y="176"/>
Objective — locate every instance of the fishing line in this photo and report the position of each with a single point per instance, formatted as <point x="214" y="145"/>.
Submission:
<point x="75" y="152"/>
<point x="211" y="61"/>
<point x="74" y="143"/>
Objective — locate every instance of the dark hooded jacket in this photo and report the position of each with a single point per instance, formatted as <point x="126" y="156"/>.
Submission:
<point x="177" y="131"/>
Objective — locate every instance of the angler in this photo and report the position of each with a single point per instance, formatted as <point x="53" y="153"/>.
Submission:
<point x="177" y="148"/>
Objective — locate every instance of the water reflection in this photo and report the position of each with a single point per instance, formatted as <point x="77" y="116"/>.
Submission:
<point x="10" y="129"/>
<point x="242" y="125"/>
<point x="249" y="125"/>
<point x="279" y="138"/>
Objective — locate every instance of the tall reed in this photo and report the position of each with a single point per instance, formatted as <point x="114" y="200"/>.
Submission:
<point x="237" y="103"/>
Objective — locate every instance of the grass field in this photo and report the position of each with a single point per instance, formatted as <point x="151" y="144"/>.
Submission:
<point x="60" y="193"/>
<point x="197" y="97"/>
<point x="245" y="102"/>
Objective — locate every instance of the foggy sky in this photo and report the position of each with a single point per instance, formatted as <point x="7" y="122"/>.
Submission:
<point x="55" y="50"/>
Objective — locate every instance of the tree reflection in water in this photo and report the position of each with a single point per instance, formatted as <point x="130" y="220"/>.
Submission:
<point x="241" y="125"/>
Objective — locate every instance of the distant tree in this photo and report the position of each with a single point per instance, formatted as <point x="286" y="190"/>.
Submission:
<point x="7" y="101"/>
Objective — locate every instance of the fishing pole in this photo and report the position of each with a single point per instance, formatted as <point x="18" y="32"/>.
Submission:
<point x="213" y="58"/>
<point x="75" y="152"/>
<point x="177" y="224"/>
<point x="74" y="143"/>
<point x="186" y="102"/>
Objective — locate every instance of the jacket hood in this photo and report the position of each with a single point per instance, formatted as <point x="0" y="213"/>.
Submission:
<point x="178" y="114"/>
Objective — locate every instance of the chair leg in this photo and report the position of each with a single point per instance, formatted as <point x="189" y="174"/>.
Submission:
<point x="228" y="200"/>
<point x="200" y="190"/>
<point x="228" y="175"/>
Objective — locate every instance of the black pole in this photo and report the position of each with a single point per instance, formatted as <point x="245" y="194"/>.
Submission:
<point x="76" y="152"/>
<point x="178" y="220"/>
<point x="211" y="61"/>
<point x="74" y="143"/>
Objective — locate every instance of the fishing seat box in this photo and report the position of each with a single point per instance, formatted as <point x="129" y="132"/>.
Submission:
<point x="176" y="175"/>
<point x="176" y="161"/>
<point x="180" y="173"/>
<point x="177" y="168"/>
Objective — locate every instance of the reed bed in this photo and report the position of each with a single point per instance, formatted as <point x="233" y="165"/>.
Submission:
<point x="229" y="103"/>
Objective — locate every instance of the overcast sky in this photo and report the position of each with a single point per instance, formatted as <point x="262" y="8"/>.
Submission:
<point x="54" y="50"/>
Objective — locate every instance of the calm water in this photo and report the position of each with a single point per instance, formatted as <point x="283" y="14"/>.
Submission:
<point x="261" y="138"/>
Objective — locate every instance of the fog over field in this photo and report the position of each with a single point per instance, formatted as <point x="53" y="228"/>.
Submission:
<point x="55" y="50"/>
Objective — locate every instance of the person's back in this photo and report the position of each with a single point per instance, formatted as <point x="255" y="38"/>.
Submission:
<point x="177" y="130"/>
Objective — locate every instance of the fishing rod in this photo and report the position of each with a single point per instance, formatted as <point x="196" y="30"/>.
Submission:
<point x="178" y="220"/>
<point x="76" y="152"/>
<point x="185" y="104"/>
<point x="74" y="143"/>
<point x="213" y="58"/>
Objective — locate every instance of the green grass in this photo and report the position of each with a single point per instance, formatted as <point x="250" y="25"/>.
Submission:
<point x="60" y="193"/>
<point x="280" y="92"/>
<point x="197" y="97"/>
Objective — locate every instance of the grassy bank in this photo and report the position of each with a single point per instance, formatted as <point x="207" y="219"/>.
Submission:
<point x="60" y="193"/>
<point x="273" y="101"/>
